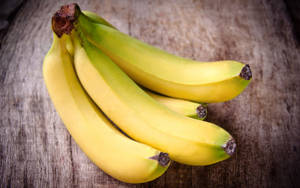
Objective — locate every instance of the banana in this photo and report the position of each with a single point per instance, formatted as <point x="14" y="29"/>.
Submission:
<point x="97" y="19"/>
<point x="186" y="140"/>
<point x="116" y="154"/>
<point x="165" y="73"/>
<point x="187" y="108"/>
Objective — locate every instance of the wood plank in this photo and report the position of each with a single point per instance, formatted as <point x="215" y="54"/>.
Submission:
<point x="37" y="151"/>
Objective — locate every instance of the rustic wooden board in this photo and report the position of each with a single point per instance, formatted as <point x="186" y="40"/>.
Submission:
<point x="37" y="151"/>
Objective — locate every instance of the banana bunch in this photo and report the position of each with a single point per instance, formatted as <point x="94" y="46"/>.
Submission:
<point x="91" y="73"/>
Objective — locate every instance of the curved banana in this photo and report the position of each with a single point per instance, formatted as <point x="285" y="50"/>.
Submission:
<point x="187" y="140"/>
<point x="116" y="154"/>
<point x="166" y="73"/>
<point x="187" y="108"/>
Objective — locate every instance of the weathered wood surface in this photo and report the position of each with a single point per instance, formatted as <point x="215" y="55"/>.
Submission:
<point x="37" y="151"/>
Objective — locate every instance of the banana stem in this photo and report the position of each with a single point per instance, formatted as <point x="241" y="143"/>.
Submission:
<point x="63" y="20"/>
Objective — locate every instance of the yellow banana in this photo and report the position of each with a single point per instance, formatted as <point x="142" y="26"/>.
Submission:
<point x="166" y="73"/>
<point x="187" y="108"/>
<point x="187" y="140"/>
<point x="116" y="154"/>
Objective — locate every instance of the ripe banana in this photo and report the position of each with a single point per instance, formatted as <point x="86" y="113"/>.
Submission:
<point x="187" y="140"/>
<point x="187" y="108"/>
<point x="116" y="154"/>
<point x="166" y="73"/>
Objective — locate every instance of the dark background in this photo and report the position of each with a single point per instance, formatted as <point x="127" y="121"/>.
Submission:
<point x="37" y="151"/>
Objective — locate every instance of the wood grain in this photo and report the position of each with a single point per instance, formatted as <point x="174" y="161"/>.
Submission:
<point x="37" y="151"/>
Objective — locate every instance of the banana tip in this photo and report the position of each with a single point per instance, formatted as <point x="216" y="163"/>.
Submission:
<point x="246" y="72"/>
<point x="230" y="146"/>
<point x="201" y="111"/>
<point x="162" y="158"/>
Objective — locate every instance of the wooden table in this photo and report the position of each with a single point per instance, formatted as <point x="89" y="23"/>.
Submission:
<point x="37" y="151"/>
